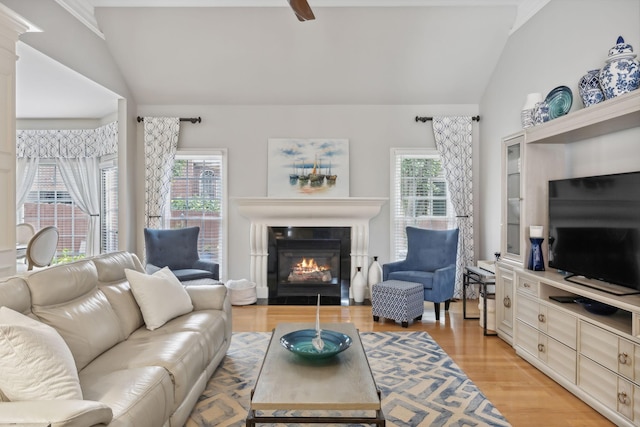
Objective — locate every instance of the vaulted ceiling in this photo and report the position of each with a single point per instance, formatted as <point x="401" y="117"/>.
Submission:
<point x="248" y="52"/>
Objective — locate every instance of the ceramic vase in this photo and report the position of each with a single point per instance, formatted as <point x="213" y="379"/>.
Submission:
<point x="621" y="74"/>
<point x="358" y="286"/>
<point x="526" y="115"/>
<point x="375" y="274"/>
<point x="589" y="88"/>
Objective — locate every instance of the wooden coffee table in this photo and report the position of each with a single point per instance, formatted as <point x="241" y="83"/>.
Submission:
<point x="290" y="382"/>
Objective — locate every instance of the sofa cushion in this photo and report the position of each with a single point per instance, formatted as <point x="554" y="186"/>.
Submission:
<point x="14" y="294"/>
<point x="35" y="362"/>
<point x="160" y="295"/>
<point x="140" y="397"/>
<point x="111" y="266"/>
<point x="180" y="353"/>
<point x="66" y="297"/>
<point x="210" y="325"/>
<point x="124" y="305"/>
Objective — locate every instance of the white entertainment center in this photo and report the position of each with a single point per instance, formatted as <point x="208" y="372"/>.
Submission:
<point x="596" y="357"/>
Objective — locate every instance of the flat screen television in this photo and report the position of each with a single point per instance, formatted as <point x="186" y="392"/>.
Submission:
<point x="594" y="231"/>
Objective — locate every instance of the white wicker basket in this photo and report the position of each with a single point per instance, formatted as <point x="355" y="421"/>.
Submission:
<point x="243" y="292"/>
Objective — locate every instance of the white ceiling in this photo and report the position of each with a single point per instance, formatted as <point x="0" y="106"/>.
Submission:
<point x="414" y="52"/>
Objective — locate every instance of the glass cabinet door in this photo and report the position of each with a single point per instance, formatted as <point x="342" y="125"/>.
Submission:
<point x="512" y="199"/>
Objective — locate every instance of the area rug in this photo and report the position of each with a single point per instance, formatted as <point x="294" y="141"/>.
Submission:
<point x="421" y="385"/>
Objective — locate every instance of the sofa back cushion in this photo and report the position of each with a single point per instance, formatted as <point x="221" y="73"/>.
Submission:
<point x="14" y="293"/>
<point x="67" y="298"/>
<point x="112" y="281"/>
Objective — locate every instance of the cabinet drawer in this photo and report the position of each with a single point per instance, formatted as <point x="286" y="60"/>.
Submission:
<point x="559" y="357"/>
<point x="609" y="350"/>
<point x="607" y="387"/>
<point x="558" y="324"/>
<point x="527" y="309"/>
<point x="527" y="285"/>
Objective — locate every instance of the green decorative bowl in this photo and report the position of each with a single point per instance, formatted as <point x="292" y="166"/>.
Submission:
<point x="299" y="342"/>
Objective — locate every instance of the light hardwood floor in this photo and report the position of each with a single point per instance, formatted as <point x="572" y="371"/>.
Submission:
<point x="524" y="395"/>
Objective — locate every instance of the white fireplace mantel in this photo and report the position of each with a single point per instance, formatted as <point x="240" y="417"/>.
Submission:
<point x="265" y="212"/>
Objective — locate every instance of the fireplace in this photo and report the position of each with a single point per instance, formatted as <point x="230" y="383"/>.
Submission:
<point x="267" y="213"/>
<point x="307" y="261"/>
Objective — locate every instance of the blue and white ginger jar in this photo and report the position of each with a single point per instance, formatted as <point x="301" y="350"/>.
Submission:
<point x="589" y="88"/>
<point x="621" y="74"/>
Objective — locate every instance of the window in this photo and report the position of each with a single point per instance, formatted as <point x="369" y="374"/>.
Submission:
<point x="49" y="203"/>
<point x="197" y="198"/>
<point x="419" y="196"/>
<point x="108" y="206"/>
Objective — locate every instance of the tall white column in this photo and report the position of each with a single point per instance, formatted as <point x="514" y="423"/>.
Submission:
<point x="11" y="26"/>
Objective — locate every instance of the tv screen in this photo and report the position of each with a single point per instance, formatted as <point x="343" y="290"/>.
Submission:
<point x="594" y="228"/>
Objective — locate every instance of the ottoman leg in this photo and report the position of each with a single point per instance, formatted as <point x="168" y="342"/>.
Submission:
<point x="405" y="324"/>
<point x="419" y="317"/>
<point x="376" y="318"/>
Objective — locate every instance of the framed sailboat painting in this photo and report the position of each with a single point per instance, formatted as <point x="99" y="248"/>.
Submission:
<point x="308" y="167"/>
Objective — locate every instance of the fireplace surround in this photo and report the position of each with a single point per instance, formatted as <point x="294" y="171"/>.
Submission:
<point x="265" y="213"/>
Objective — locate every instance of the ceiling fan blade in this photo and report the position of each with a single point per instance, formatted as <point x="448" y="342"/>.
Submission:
<point x="302" y="10"/>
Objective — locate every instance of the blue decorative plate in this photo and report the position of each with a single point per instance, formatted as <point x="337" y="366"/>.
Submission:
<point x="559" y="101"/>
<point x="299" y="342"/>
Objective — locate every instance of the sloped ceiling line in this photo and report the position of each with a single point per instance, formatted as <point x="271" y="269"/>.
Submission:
<point x="83" y="10"/>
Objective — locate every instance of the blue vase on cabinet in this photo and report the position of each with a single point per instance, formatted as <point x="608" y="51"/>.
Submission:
<point x="536" y="261"/>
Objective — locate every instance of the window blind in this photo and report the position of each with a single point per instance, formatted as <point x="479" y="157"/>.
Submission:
<point x="419" y="196"/>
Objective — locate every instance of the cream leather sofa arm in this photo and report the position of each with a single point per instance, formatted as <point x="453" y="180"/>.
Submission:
<point x="55" y="413"/>
<point x="207" y="297"/>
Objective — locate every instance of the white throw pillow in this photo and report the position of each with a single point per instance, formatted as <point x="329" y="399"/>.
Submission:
<point x="160" y="295"/>
<point x="35" y="362"/>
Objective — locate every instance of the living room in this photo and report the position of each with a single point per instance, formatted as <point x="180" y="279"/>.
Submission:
<point x="532" y="59"/>
<point x="556" y="46"/>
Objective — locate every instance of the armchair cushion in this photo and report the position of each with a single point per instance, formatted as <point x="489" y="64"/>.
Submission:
<point x="178" y="250"/>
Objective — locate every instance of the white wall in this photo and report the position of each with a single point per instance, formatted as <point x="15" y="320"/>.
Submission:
<point x="556" y="47"/>
<point x="245" y="130"/>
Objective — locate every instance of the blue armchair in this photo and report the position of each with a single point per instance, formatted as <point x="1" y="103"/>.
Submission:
<point x="178" y="250"/>
<point x="431" y="261"/>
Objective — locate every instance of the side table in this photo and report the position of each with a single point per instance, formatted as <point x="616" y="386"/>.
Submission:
<point x="477" y="276"/>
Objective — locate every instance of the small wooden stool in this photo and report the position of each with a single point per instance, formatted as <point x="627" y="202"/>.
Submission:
<point x="397" y="300"/>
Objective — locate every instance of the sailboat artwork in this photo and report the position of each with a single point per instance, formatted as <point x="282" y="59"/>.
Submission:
<point x="308" y="167"/>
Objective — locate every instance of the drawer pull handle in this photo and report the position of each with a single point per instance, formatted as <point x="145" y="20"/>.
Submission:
<point x="623" y="358"/>
<point x="506" y="302"/>
<point x="541" y="318"/>
<point x="623" y="398"/>
<point x="541" y="348"/>
<point x="526" y="285"/>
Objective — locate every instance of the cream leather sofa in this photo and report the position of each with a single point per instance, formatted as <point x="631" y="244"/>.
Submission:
<point x="128" y="375"/>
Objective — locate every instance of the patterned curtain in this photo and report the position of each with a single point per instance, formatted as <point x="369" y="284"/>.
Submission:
<point x="67" y="143"/>
<point x="160" y="144"/>
<point x="453" y="136"/>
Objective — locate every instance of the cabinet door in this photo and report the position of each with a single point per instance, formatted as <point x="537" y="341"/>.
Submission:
<point x="512" y="161"/>
<point x="504" y="301"/>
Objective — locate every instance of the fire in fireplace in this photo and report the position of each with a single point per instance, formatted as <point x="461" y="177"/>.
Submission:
<point x="309" y="270"/>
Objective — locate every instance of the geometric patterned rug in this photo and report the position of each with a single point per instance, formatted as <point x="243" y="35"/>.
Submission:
<point x="420" y="384"/>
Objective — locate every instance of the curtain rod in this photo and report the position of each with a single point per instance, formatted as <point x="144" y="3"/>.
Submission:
<point x="428" y="119"/>
<point x="182" y="119"/>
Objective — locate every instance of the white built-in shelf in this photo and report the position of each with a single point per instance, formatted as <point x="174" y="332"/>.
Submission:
<point x="612" y="115"/>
